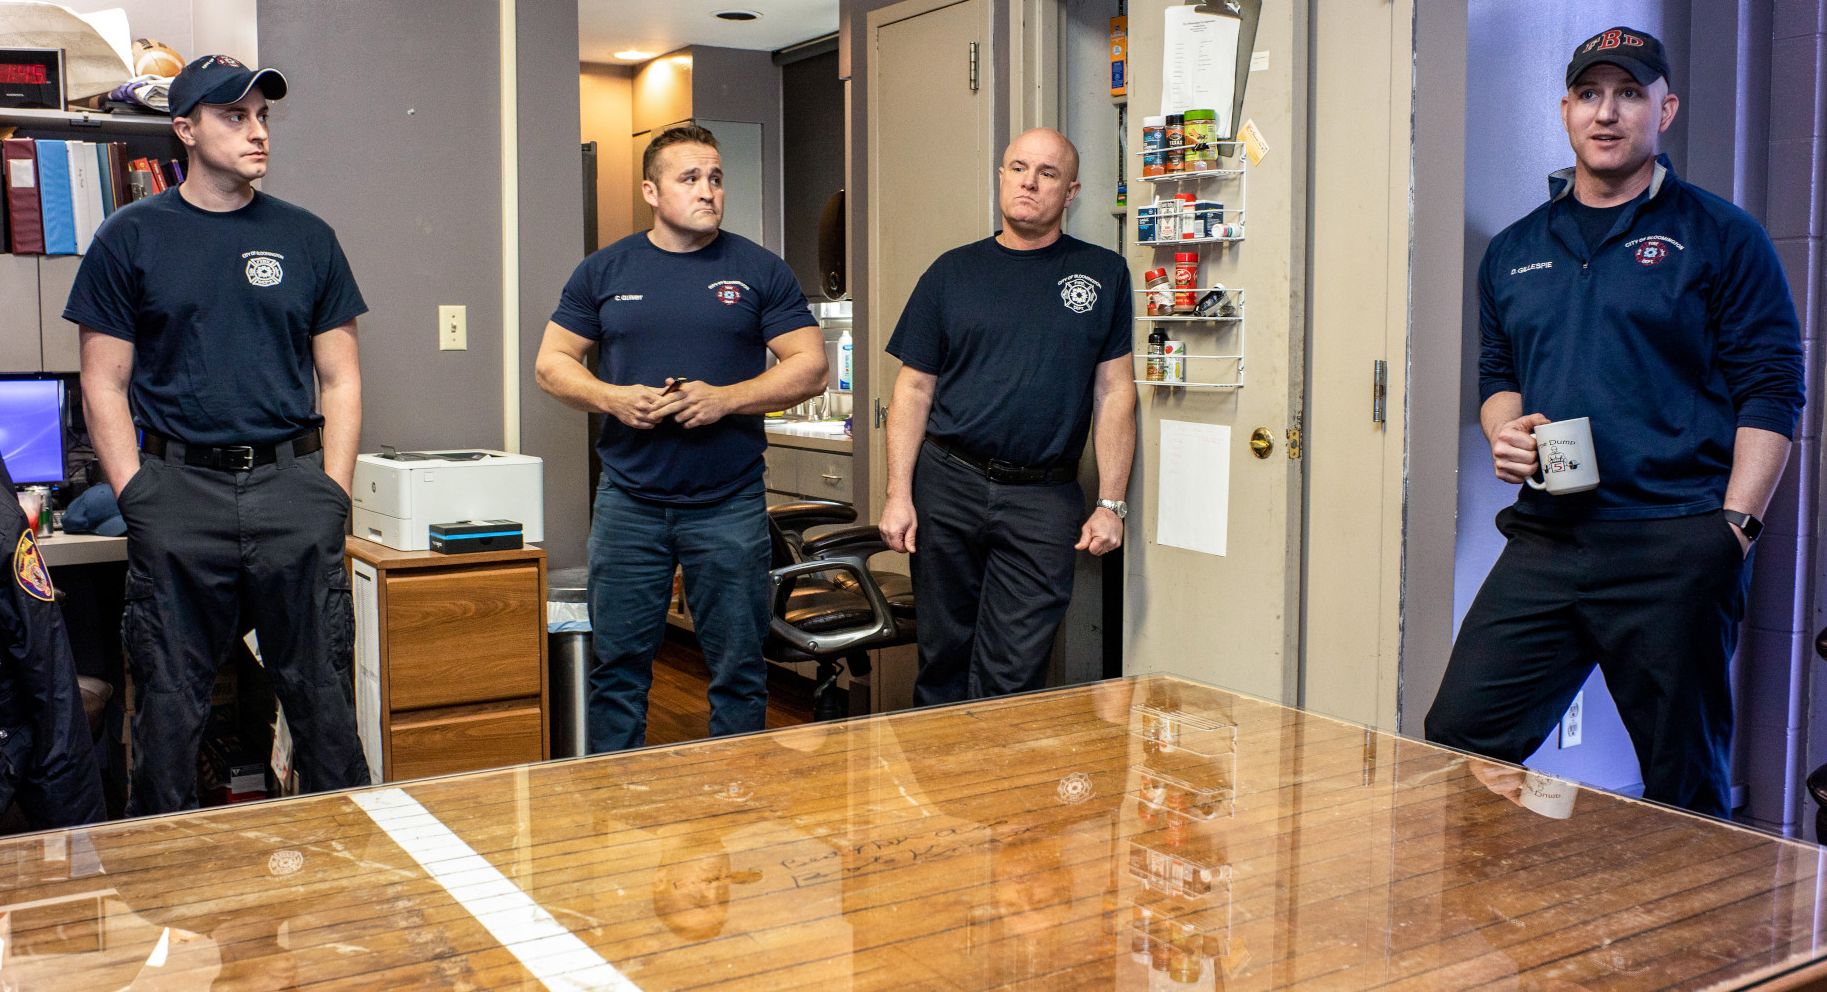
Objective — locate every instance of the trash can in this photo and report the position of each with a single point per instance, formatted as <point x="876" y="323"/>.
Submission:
<point x="568" y="658"/>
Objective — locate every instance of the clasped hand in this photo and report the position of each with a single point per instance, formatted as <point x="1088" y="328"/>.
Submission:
<point x="692" y="404"/>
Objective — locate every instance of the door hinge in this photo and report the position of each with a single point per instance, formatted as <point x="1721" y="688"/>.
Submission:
<point x="881" y="415"/>
<point x="973" y="67"/>
<point x="1379" y="391"/>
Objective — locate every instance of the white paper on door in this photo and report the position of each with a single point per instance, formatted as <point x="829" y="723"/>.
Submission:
<point x="1194" y="501"/>
<point x="1199" y="64"/>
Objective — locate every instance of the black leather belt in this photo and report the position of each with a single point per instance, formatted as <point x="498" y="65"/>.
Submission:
<point x="1008" y="473"/>
<point x="231" y="457"/>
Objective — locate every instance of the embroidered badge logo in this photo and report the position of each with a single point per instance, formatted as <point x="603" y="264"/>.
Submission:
<point x="1079" y="292"/>
<point x="263" y="268"/>
<point x="1653" y="249"/>
<point x="29" y="570"/>
<point x="728" y="291"/>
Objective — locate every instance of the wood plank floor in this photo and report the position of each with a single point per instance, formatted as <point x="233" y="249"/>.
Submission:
<point x="677" y="710"/>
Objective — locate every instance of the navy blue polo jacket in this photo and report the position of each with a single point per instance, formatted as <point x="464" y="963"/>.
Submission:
<point x="1675" y="332"/>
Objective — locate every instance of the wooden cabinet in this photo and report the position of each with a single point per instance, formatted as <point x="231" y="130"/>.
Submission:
<point x="450" y="659"/>
<point x="809" y="467"/>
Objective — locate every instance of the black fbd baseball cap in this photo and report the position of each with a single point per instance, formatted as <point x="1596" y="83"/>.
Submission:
<point x="1635" y="52"/>
<point x="220" y="79"/>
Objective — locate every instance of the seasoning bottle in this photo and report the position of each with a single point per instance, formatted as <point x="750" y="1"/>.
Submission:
<point x="1201" y="129"/>
<point x="1173" y="138"/>
<point x="1154" y="136"/>
<point x="1160" y="292"/>
<point x="1186" y="281"/>
<point x="1167" y="220"/>
<point x="1156" y="367"/>
<point x="1189" y="215"/>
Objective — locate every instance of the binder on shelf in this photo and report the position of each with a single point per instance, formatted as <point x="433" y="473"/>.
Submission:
<point x="104" y="172"/>
<point x="85" y="192"/>
<point x="25" y="225"/>
<point x="117" y="168"/>
<point x="55" y="199"/>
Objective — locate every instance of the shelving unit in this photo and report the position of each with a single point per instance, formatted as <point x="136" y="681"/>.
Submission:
<point x="1233" y="214"/>
<point x="85" y="120"/>
<point x="1233" y="322"/>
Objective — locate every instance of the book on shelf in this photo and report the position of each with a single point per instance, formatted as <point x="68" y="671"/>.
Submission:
<point x="25" y="227"/>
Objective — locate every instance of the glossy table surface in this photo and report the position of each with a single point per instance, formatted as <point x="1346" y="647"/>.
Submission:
<point x="1145" y="833"/>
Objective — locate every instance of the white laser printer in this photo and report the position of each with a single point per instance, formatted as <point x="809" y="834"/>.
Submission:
<point x="400" y="494"/>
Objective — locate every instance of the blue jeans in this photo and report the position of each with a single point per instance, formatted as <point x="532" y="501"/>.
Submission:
<point x="725" y="552"/>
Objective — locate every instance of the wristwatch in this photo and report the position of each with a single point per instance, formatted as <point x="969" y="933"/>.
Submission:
<point x="1751" y="526"/>
<point x="1116" y="506"/>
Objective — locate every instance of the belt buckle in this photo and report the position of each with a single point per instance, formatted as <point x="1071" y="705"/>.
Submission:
<point x="237" y="458"/>
<point x="997" y="470"/>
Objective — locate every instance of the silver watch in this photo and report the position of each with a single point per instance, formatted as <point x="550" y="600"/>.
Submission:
<point x="1116" y="506"/>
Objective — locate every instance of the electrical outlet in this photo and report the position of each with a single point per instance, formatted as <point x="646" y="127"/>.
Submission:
<point x="1573" y="723"/>
<point x="453" y="328"/>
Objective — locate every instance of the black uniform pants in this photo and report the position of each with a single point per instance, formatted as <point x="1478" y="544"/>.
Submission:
<point x="992" y="576"/>
<point x="206" y="547"/>
<point x="1655" y="604"/>
<point x="46" y="757"/>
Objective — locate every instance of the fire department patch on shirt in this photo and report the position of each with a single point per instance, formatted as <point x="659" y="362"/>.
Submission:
<point x="29" y="570"/>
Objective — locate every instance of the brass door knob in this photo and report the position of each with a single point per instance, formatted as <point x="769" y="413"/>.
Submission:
<point x="1261" y="442"/>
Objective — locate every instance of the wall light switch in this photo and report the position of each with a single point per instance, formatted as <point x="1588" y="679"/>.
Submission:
<point x="1573" y="723"/>
<point x="453" y="328"/>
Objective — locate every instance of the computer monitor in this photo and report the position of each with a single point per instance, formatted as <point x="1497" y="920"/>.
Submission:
<point x="31" y="429"/>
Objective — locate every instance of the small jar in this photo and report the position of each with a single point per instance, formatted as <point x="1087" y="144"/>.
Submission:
<point x="1189" y="215"/>
<point x="1186" y="282"/>
<point x="1155" y="368"/>
<point x="1160" y="292"/>
<point x="1200" y="129"/>
<point x="1174" y="155"/>
<point x="1154" y="136"/>
<point x="1167" y="220"/>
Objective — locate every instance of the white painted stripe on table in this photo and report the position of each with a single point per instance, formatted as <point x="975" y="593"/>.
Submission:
<point x="553" y="954"/>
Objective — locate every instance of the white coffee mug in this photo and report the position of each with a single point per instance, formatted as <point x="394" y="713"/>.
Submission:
<point x="1548" y="796"/>
<point x="1566" y="461"/>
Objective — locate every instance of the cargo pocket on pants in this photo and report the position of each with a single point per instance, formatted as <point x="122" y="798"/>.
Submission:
<point x="140" y="630"/>
<point x="339" y="627"/>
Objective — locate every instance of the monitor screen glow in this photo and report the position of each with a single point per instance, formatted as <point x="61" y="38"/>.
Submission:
<point x="31" y="429"/>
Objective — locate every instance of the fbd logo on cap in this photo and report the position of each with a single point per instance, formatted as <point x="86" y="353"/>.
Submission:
<point x="221" y="60"/>
<point x="1612" y="39"/>
<point x="263" y="268"/>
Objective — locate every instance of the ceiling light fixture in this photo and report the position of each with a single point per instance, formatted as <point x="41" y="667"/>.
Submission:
<point x="737" y="15"/>
<point x="633" y="56"/>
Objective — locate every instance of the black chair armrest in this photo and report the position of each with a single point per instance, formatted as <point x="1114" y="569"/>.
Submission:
<point x="879" y="627"/>
<point x="803" y="514"/>
<point x="862" y="540"/>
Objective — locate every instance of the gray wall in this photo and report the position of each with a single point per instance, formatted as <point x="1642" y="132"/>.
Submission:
<point x="398" y="147"/>
<point x="551" y="245"/>
<point x="731" y="84"/>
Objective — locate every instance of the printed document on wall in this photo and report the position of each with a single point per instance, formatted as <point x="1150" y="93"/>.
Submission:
<point x="1195" y="488"/>
<point x="1199" y="63"/>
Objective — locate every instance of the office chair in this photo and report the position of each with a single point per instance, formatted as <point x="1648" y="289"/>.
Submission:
<point x="1817" y="779"/>
<point x="829" y="606"/>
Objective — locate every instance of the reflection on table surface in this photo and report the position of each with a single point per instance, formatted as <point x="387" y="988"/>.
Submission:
<point x="1146" y="833"/>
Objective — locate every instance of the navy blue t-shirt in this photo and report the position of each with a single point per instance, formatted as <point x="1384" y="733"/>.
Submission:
<point x="221" y="309"/>
<point x="706" y="315"/>
<point x="1015" y="339"/>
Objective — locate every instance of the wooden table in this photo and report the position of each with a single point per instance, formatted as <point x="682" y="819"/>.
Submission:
<point x="1042" y="842"/>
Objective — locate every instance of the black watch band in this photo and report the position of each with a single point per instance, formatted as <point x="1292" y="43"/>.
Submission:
<point x="1751" y="526"/>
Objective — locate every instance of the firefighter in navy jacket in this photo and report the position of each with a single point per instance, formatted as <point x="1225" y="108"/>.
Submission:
<point x="47" y="762"/>
<point x="1660" y="312"/>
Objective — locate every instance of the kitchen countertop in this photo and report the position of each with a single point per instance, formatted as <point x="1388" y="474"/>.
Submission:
<point x="817" y="435"/>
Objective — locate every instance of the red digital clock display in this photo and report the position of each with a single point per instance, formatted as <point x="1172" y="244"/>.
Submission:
<point x="23" y="74"/>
